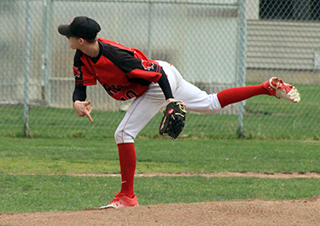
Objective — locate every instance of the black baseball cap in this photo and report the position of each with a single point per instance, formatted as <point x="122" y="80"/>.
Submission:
<point x="82" y="27"/>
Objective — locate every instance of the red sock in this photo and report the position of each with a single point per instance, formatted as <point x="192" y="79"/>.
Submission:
<point x="127" y="157"/>
<point x="237" y="94"/>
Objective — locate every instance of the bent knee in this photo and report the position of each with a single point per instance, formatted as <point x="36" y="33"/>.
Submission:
<point x="121" y="136"/>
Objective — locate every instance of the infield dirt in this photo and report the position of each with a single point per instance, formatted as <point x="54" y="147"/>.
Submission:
<point x="252" y="212"/>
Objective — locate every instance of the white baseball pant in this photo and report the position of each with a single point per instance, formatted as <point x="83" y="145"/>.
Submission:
<point x="144" y="108"/>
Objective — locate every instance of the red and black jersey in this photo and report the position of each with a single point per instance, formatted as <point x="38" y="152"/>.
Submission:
<point x="123" y="72"/>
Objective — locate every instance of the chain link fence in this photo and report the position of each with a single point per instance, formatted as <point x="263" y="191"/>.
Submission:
<point x="214" y="44"/>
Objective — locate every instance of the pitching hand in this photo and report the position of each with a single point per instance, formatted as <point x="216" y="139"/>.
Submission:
<point x="82" y="108"/>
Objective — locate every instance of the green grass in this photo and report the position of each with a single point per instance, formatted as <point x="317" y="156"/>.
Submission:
<point x="60" y="193"/>
<point x="265" y="118"/>
<point x="70" y="156"/>
<point x="36" y="174"/>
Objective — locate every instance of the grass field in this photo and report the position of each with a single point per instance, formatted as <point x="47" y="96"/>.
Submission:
<point x="265" y="118"/>
<point x="39" y="174"/>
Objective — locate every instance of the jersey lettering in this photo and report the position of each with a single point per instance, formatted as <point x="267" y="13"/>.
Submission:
<point x="76" y="72"/>
<point x="147" y="65"/>
<point x="112" y="89"/>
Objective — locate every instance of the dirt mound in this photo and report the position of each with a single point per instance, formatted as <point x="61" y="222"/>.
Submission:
<point x="253" y="212"/>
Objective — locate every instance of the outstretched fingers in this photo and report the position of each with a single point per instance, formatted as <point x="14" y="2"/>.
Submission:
<point x="88" y="110"/>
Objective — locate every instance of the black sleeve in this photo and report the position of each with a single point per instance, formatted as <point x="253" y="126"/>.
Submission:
<point x="165" y="86"/>
<point x="79" y="93"/>
<point x="132" y="66"/>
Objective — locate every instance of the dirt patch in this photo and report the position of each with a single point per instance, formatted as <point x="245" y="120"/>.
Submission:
<point x="253" y="212"/>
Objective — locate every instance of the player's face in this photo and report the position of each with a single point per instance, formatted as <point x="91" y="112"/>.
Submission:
<point x="74" y="42"/>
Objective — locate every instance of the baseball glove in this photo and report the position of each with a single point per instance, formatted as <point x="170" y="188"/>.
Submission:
<point x="173" y="120"/>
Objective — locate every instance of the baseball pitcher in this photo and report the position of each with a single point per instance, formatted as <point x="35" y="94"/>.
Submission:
<point x="127" y="73"/>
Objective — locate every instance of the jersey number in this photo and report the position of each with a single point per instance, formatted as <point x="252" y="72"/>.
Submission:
<point x="114" y="90"/>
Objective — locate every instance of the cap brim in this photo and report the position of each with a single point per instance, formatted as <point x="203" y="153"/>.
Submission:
<point x="64" y="30"/>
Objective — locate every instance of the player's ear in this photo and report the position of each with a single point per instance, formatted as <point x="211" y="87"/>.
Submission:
<point x="81" y="41"/>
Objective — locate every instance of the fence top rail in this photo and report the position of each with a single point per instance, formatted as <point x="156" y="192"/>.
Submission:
<point x="189" y="2"/>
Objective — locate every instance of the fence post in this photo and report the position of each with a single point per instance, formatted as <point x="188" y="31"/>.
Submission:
<point x="149" y="30"/>
<point x="27" y="73"/>
<point x="45" y="49"/>
<point x="241" y="59"/>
